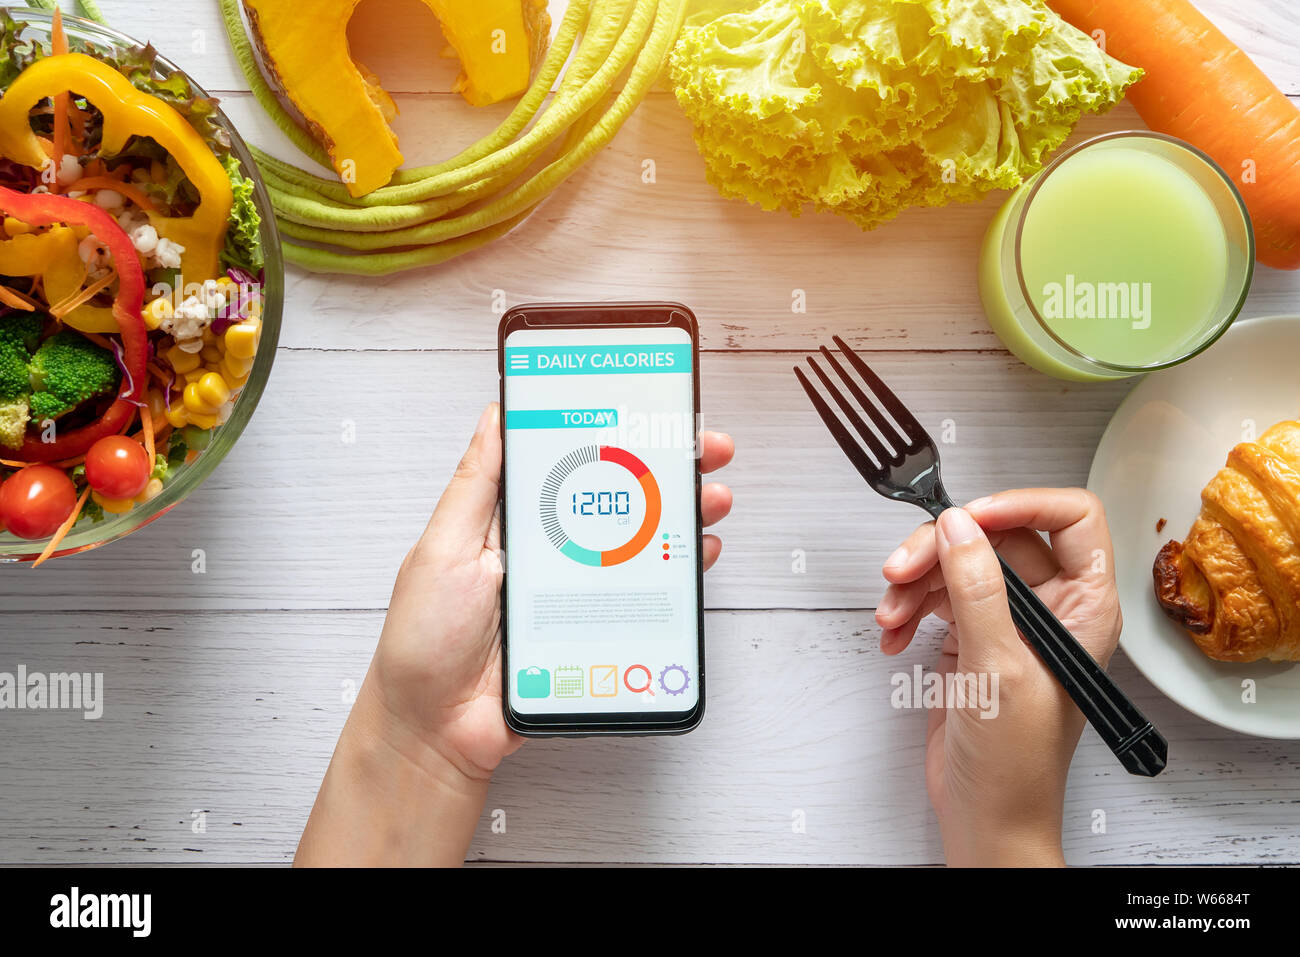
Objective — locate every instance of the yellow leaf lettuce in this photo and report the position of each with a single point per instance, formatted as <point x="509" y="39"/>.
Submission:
<point x="866" y="107"/>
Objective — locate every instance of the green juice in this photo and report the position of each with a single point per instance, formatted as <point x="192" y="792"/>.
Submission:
<point x="1126" y="260"/>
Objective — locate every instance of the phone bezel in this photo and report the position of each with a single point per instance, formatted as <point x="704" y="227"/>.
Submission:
<point x="632" y="315"/>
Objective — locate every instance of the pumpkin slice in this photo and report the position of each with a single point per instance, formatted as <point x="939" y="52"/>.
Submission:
<point x="304" y="49"/>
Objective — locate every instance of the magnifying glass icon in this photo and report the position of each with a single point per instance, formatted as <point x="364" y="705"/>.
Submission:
<point x="649" y="680"/>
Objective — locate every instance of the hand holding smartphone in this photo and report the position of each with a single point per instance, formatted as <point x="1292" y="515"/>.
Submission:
<point x="603" y="590"/>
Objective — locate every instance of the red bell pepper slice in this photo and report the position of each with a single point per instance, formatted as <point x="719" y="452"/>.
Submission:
<point x="46" y="209"/>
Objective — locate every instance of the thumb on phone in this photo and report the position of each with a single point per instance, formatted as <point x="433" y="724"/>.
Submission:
<point x="464" y="514"/>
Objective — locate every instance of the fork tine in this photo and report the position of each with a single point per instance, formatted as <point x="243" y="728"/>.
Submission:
<point x="905" y="419"/>
<point x="866" y="468"/>
<point x="888" y="433"/>
<point x="864" y="431"/>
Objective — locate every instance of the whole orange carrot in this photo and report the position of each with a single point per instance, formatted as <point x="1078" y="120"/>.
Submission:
<point x="1200" y="87"/>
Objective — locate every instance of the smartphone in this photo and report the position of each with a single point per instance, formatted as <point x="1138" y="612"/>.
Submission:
<point x="603" y="622"/>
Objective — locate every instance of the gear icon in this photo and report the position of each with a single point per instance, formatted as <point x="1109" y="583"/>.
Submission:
<point x="686" y="680"/>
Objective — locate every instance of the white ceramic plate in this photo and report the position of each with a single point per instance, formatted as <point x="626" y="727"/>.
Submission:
<point x="1167" y="439"/>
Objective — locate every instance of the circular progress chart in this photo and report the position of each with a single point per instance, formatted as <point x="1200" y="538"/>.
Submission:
<point x="575" y="460"/>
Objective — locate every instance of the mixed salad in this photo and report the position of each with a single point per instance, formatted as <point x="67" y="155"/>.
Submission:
<point x="130" y="279"/>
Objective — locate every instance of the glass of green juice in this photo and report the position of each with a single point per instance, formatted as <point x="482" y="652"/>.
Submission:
<point x="1128" y="253"/>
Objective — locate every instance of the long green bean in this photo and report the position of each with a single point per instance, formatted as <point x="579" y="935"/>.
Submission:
<point x="91" y="11"/>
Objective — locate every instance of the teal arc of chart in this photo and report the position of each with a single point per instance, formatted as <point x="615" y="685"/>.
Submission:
<point x="575" y="460"/>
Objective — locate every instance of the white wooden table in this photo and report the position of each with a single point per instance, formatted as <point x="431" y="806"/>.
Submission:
<point x="226" y="690"/>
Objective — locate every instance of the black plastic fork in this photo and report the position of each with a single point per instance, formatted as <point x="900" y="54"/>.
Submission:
<point x="903" y="465"/>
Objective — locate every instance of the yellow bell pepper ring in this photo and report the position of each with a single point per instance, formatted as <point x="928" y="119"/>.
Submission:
<point x="53" y="255"/>
<point x="127" y="112"/>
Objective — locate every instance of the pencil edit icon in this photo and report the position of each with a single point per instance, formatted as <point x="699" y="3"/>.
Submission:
<point x="604" y="681"/>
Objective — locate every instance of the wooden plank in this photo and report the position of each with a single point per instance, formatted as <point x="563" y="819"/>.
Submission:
<point x="605" y="234"/>
<point x="237" y="714"/>
<point x="407" y="58"/>
<point x="297" y="518"/>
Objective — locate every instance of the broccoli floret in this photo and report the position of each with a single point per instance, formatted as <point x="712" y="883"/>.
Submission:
<point x="18" y="335"/>
<point x="68" y="370"/>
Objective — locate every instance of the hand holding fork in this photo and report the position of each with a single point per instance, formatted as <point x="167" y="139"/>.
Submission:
<point x="900" y="461"/>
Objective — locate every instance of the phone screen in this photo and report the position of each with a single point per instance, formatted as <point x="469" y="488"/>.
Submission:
<point x="602" y="526"/>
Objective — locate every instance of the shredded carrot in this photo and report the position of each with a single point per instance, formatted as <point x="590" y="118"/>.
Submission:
<point x="61" y="309"/>
<point x="133" y="193"/>
<point x="146" y="422"/>
<point x="64" y="528"/>
<point x="58" y="39"/>
<point x="14" y="465"/>
<point x="15" y="299"/>
<point x="59" y="43"/>
<point x="69" y="463"/>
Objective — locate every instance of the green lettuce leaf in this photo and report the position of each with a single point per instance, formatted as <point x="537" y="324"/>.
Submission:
<point x="244" y="236"/>
<point x="867" y="107"/>
<point x="16" y="53"/>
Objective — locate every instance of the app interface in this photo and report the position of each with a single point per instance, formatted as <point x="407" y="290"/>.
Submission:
<point x="600" y="521"/>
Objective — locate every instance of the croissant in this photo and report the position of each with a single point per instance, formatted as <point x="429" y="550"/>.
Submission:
<point x="1234" y="582"/>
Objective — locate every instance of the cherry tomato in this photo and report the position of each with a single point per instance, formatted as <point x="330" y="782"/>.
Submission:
<point x="117" y="467"/>
<point x="35" y="501"/>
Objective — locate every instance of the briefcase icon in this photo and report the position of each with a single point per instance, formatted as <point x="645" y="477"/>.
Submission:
<point x="534" y="683"/>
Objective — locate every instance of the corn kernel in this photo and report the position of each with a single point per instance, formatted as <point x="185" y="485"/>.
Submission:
<point x="151" y="491"/>
<point x="177" y="416"/>
<point x="212" y="390"/>
<point x="15" y="227"/>
<point x="115" y="506"/>
<point x="182" y="361"/>
<point x="224" y="281"/>
<point x="202" y="421"/>
<point x="156" y="311"/>
<point x="194" y="403"/>
<point x="209" y="337"/>
<point x="211" y="354"/>
<point x="242" y="339"/>
<point x="237" y="367"/>
<point x="194" y="375"/>
<point x="233" y="382"/>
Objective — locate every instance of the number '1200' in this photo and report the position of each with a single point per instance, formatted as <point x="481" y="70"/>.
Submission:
<point x="602" y="503"/>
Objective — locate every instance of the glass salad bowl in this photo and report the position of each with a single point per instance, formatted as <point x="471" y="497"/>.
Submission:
<point x="183" y="478"/>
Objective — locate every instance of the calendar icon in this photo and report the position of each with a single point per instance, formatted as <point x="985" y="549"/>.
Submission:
<point x="569" y="681"/>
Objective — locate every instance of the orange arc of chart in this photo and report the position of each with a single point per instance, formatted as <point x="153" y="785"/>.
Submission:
<point x="653" y="505"/>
